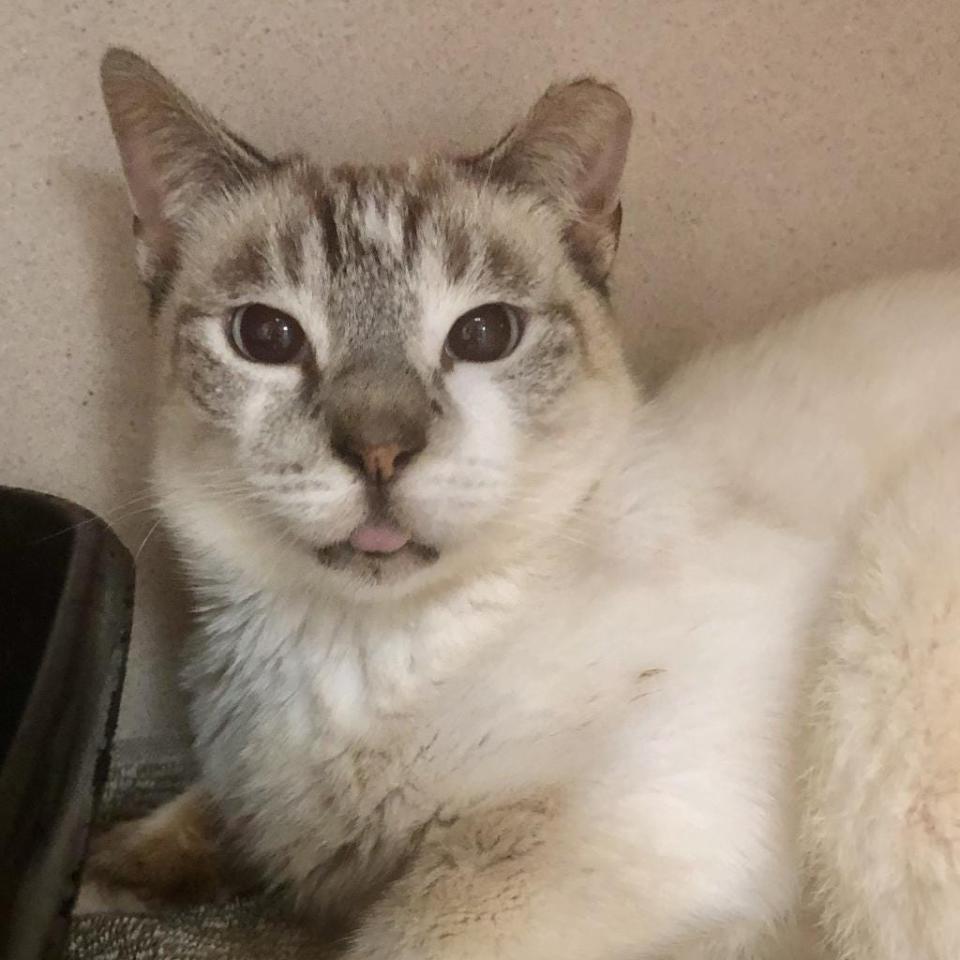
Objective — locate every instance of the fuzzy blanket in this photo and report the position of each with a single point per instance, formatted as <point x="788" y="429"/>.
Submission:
<point x="144" y="774"/>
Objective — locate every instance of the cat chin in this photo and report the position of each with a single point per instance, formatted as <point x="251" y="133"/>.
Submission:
<point x="377" y="568"/>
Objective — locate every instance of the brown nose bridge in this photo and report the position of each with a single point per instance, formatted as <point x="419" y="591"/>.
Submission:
<point x="378" y="418"/>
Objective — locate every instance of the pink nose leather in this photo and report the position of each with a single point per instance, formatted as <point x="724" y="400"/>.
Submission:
<point x="380" y="462"/>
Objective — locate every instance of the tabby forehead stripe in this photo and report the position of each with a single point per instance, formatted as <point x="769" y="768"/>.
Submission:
<point x="331" y="238"/>
<point x="505" y="266"/>
<point x="349" y="176"/>
<point x="354" y="183"/>
<point x="381" y="195"/>
<point x="354" y="245"/>
<point x="290" y="241"/>
<point x="457" y="250"/>
<point x="247" y="267"/>
<point x="413" y="211"/>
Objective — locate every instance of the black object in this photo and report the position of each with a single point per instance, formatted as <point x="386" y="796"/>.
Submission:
<point x="66" y="602"/>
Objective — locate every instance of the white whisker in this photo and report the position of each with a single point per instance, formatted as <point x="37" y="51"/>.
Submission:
<point x="143" y="543"/>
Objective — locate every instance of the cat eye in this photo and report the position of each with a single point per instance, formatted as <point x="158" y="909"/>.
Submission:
<point x="264" y="334"/>
<point x="484" y="334"/>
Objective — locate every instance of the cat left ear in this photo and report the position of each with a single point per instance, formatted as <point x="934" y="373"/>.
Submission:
<point x="173" y="153"/>
<point x="572" y="146"/>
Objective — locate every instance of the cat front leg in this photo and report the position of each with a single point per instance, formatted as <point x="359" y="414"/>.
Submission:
<point x="520" y="883"/>
<point x="173" y="856"/>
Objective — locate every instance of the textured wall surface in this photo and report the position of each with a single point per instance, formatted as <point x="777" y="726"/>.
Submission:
<point x="783" y="149"/>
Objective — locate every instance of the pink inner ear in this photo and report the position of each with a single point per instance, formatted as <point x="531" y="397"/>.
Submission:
<point x="598" y="186"/>
<point x="148" y="197"/>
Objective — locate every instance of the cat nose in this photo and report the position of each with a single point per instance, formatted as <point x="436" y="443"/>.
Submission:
<point x="378" y="418"/>
<point x="381" y="461"/>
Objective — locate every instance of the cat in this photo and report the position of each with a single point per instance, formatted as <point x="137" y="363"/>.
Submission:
<point x="496" y="655"/>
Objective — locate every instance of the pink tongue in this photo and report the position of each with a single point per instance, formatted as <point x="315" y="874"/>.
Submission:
<point x="378" y="538"/>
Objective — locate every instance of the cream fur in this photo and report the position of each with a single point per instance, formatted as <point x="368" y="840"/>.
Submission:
<point x="882" y="823"/>
<point x="678" y="679"/>
<point x="842" y="426"/>
<point x="604" y="738"/>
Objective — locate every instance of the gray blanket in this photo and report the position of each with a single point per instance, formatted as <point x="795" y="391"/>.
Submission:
<point x="144" y="774"/>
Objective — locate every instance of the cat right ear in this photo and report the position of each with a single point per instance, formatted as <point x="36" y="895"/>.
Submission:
<point x="173" y="154"/>
<point x="572" y="147"/>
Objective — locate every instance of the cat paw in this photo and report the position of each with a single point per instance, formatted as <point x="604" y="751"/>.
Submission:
<point x="163" y="859"/>
<point x="99" y="896"/>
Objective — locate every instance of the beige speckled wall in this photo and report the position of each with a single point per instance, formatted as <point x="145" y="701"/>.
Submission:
<point x="783" y="148"/>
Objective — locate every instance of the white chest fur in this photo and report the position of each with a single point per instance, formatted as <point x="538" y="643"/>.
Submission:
<point x="336" y="736"/>
<point x="329" y="731"/>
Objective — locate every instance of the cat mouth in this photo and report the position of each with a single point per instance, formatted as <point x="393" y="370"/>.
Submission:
<point x="374" y="546"/>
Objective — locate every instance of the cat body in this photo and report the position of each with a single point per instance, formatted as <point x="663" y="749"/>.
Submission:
<point x="642" y="696"/>
<point x="612" y="675"/>
<point x="492" y="651"/>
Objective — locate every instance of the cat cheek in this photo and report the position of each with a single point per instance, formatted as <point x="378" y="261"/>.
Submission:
<point x="452" y="511"/>
<point x="204" y="379"/>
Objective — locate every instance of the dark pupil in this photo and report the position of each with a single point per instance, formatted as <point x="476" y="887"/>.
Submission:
<point x="270" y="336"/>
<point x="482" y="335"/>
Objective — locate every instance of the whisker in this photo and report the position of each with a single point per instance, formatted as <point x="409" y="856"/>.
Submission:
<point x="143" y="543"/>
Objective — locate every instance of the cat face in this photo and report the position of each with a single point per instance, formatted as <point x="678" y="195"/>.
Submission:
<point x="375" y="378"/>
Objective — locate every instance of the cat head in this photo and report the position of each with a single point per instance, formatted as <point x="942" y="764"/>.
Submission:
<point x="375" y="378"/>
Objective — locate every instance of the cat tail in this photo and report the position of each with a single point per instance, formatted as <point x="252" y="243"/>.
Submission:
<point x="882" y="750"/>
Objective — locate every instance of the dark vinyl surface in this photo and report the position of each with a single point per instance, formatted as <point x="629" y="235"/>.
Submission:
<point x="66" y="601"/>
